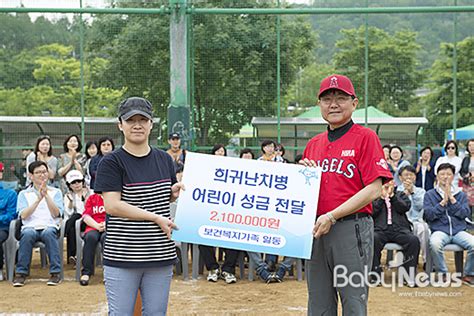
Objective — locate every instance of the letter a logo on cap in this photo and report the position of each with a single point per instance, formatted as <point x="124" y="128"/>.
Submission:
<point x="333" y="83"/>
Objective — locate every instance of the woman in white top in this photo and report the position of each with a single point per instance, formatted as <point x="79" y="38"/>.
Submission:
<point x="71" y="159"/>
<point x="74" y="203"/>
<point x="91" y="151"/>
<point x="43" y="152"/>
<point x="451" y="150"/>
<point x="396" y="162"/>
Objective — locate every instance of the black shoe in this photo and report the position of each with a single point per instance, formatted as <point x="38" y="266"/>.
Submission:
<point x="84" y="280"/>
<point x="19" y="280"/>
<point x="54" y="279"/>
<point x="375" y="281"/>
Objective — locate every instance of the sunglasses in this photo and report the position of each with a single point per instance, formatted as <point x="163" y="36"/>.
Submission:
<point x="76" y="181"/>
<point x="453" y="148"/>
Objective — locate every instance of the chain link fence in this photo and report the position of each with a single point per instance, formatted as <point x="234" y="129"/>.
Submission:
<point x="250" y="76"/>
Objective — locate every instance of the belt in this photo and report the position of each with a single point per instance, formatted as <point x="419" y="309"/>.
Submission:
<point x="353" y="216"/>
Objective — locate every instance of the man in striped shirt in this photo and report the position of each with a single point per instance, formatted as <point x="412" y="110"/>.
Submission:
<point x="137" y="183"/>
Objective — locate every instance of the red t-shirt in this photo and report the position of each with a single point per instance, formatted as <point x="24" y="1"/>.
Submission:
<point x="348" y="165"/>
<point x="95" y="209"/>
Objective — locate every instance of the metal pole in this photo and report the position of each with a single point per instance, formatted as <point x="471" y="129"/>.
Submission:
<point x="269" y="11"/>
<point x="81" y="48"/>
<point x="455" y="72"/>
<point x="278" y="24"/>
<point x="178" y="109"/>
<point x="366" y="65"/>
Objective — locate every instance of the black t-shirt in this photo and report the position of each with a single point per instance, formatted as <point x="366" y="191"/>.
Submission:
<point x="144" y="182"/>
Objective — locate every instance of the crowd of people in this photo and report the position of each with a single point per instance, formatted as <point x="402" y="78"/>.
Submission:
<point x="72" y="176"/>
<point x="430" y="197"/>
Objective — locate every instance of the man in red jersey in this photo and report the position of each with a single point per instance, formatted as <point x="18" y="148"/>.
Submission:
<point x="353" y="171"/>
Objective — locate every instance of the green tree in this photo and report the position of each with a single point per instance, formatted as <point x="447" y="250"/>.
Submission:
<point x="393" y="73"/>
<point x="234" y="63"/>
<point x="303" y="92"/>
<point x="440" y="101"/>
<point x="56" y="85"/>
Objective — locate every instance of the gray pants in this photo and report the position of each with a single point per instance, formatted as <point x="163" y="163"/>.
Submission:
<point x="348" y="244"/>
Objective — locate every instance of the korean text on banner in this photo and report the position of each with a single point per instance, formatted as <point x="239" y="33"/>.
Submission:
<point x="248" y="205"/>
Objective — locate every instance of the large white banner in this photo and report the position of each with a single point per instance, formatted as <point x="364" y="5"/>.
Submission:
<point x="248" y="205"/>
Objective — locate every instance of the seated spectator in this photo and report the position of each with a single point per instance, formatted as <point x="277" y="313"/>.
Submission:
<point x="70" y="159"/>
<point x="280" y="151"/>
<point x="43" y="152"/>
<point x="263" y="268"/>
<point x="246" y="153"/>
<point x="208" y="253"/>
<point x="40" y="208"/>
<point x="396" y="162"/>
<point x="91" y="151"/>
<point x="424" y="167"/>
<point x="175" y="151"/>
<point x="451" y="157"/>
<point x="74" y="201"/>
<point x="298" y="158"/>
<point x="268" y="150"/>
<point x="94" y="218"/>
<point x="391" y="225"/>
<point x="386" y="151"/>
<point x="415" y="214"/>
<point x="7" y="214"/>
<point x="467" y="173"/>
<point x="105" y="147"/>
<point x="445" y="210"/>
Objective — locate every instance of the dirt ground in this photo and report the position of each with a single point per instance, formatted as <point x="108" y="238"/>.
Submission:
<point x="199" y="297"/>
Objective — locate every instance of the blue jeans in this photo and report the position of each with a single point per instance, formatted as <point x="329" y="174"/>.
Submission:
<point x="122" y="284"/>
<point x="463" y="239"/>
<point x="260" y="264"/>
<point x="29" y="236"/>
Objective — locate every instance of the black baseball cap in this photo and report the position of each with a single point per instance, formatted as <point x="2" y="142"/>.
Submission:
<point x="174" y="135"/>
<point x="133" y="106"/>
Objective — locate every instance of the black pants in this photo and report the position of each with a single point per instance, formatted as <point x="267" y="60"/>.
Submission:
<point x="208" y="254"/>
<point x="403" y="237"/>
<point x="70" y="232"/>
<point x="88" y="254"/>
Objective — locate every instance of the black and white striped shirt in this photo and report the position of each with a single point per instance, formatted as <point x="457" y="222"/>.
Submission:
<point x="144" y="182"/>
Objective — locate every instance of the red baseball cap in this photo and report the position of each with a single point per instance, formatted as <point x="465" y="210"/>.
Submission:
<point x="1" y="166"/>
<point x="338" y="82"/>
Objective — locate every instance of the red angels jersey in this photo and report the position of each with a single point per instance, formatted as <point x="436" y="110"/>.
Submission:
<point x="348" y="165"/>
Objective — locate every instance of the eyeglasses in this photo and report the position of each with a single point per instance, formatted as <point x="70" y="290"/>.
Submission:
<point x="37" y="173"/>
<point x="453" y="148"/>
<point x="338" y="99"/>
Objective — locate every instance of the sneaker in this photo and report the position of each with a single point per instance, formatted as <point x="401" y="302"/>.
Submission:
<point x="280" y="274"/>
<point x="72" y="260"/>
<point x="19" y="280"/>
<point x="267" y="276"/>
<point x="228" y="277"/>
<point x="84" y="280"/>
<point x="54" y="279"/>
<point x="213" y="275"/>
<point x="468" y="280"/>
